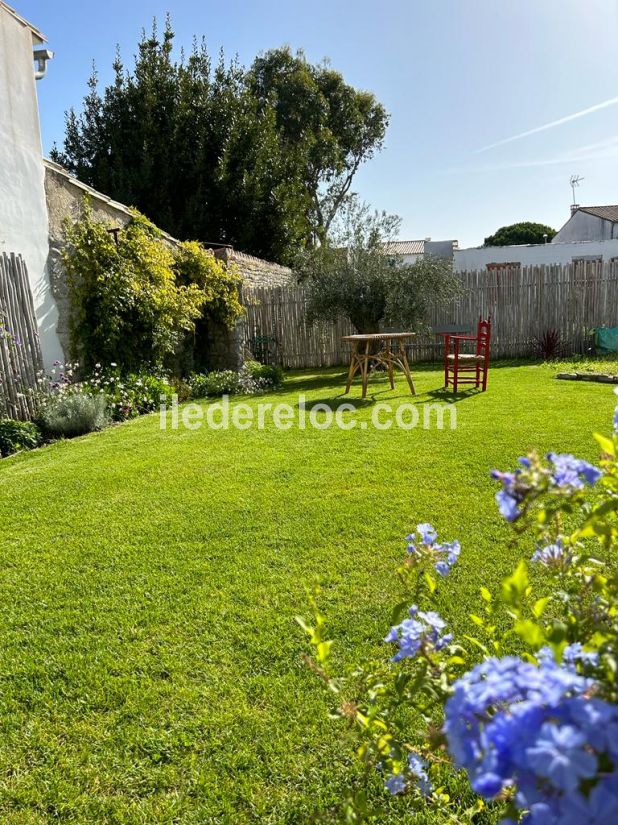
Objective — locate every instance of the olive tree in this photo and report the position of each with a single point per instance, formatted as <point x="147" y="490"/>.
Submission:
<point x="358" y="276"/>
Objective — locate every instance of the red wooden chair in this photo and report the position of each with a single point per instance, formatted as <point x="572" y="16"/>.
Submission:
<point x="467" y="367"/>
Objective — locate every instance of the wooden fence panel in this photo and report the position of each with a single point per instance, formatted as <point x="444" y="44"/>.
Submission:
<point x="524" y="303"/>
<point x="277" y="315"/>
<point x="20" y="349"/>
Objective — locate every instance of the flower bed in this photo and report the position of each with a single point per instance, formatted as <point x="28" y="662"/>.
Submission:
<point x="67" y="405"/>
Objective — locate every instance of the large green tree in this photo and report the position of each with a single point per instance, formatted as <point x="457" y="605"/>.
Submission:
<point x="325" y="126"/>
<point x="523" y="232"/>
<point x="261" y="158"/>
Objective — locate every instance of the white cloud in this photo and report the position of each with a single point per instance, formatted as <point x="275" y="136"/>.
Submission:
<point x="598" y="106"/>
<point x="605" y="149"/>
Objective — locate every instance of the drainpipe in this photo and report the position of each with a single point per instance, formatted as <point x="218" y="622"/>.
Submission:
<point x="41" y="56"/>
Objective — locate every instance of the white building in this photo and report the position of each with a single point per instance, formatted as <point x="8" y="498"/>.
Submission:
<point x="590" y="234"/>
<point x="23" y="210"/>
<point x="493" y="257"/>
<point x="411" y="251"/>
<point x="589" y="223"/>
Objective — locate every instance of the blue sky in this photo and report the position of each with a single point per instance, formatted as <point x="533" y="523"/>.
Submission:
<point x="456" y="76"/>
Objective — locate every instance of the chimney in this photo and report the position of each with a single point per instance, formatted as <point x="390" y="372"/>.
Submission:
<point x="574" y="208"/>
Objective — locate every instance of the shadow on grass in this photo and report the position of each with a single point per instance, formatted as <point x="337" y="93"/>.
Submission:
<point x="378" y="390"/>
<point x="335" y="403"/>
<point x="449" y="397"/>
<point x="310" y="383"/>
<point x="336" y="377"/>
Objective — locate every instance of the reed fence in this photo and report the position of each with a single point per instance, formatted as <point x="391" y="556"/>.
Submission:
<point x="523" y="302"/>
<point x="20" y="349"/>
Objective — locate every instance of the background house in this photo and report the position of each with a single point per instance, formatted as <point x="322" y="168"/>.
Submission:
<point x="590" y="234"/>
<point x="413" y="250"/>
<point x="491" y="257"/>
<point x="589" y="223"/>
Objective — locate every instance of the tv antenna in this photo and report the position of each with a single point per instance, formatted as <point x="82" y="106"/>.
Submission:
<point x="575" y="180"/>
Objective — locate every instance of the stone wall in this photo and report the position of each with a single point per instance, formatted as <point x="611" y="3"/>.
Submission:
<point x="65" y="199"/>
<point x="227" y="347"/>
<point x="255" y="271"/>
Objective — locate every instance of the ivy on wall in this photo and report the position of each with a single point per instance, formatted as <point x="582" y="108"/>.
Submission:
<point x="134" y="297"/>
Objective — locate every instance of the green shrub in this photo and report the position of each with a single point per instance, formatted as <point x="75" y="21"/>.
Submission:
<point x="126" y="304"/>
<point x="195" y="265"/>
<point x="18" y="435"/>
<point x="223" y="382"/>
<point x="128" y="395"/>
<point x="73" y="413"/>
<point x="198" y="382"/>
<point x="134" y="298"/>
<point x="253" y="378"/>
<point x="270" y="377"/>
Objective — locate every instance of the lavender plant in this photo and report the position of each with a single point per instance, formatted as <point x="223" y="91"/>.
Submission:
<point x="527" y="707"/>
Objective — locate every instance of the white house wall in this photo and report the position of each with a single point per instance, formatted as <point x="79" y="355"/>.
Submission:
<point x="23" y="211"/>
<point x="410" y="259"/>
<point x="582" y="226"/>
<point x="467" y="260"/>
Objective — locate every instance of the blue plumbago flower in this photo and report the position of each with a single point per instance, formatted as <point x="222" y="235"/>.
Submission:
<point x="418" y="768"/>
<point x="572" y="654"/>
<point x="553" y="555"/>
<point x="560" y="755"/>
<point x="422" y="631"/>
<point x="508" y="505"/>
<point x="423" y="544"/>
<point x="442" y="568"/>
<point x="600" y="807"/>
<point x="568" y="471"/>
<point x="512" y="493"/>
<point x="395" y="784"/>
<point x="427" y="533"/>
<point x="511" y="723"/>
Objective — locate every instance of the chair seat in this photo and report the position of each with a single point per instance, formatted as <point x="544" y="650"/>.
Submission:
<point x="466" y="356"/>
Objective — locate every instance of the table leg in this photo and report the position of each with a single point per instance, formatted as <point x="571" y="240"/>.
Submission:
<point x="406" y="367"/>
<point x="365" y="368"/>
<point x="389" y="366"/>
<point x="353" y="366"/>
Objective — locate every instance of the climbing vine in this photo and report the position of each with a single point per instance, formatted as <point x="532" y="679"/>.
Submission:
<point x="134" y="297"/>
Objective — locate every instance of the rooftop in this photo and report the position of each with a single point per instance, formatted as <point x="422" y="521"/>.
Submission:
<point x="405" y="247"/>
<point x="607" y="213"/>
<point x="37" y="36"/>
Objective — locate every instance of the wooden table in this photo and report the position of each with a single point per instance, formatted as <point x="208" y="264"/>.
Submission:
<point x="391" y="353"/>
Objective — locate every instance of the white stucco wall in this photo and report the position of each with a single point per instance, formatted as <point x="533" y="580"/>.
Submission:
<point x="410" y="259"/>
<point x="466" y="260"/>
<point x="23" y="211"/>
<point x="582" y="226"/>
<point x="441" y="249"/>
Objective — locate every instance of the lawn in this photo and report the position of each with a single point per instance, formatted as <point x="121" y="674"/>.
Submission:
<point x="150" y="663"/>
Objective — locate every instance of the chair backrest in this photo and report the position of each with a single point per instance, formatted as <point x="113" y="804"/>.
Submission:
<point x="483" y="335"/>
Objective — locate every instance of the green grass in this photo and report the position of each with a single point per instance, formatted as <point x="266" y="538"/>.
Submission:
<point x="585" y="363"/>
<point x="150" y="665"/>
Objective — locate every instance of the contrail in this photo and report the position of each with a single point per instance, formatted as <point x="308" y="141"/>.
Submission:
<point x="604" y="105"/>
